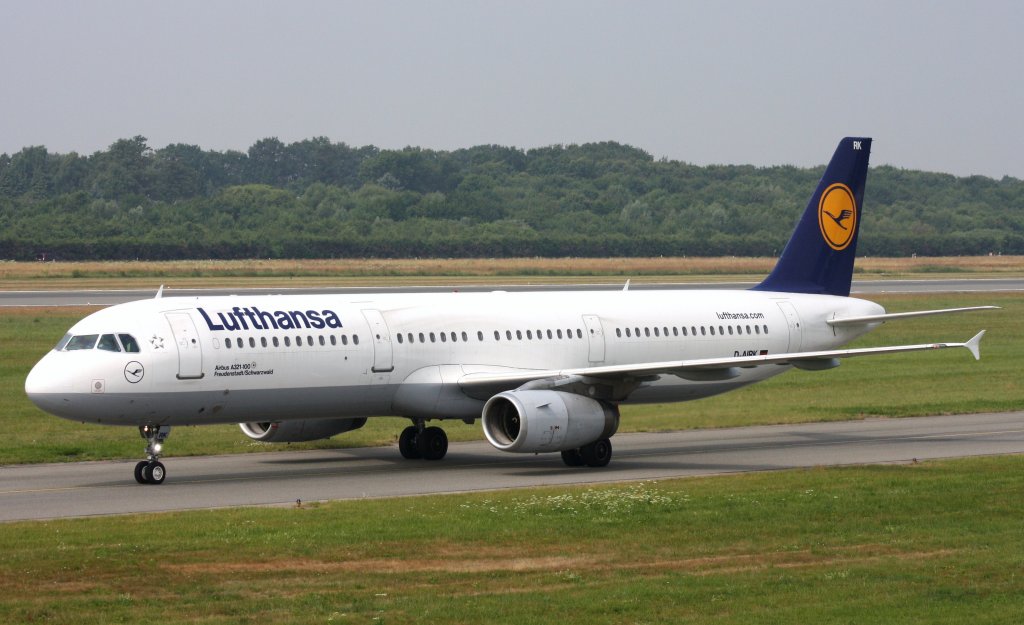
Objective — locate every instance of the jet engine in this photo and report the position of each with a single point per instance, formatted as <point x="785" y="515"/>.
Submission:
<point x="297" y="431"/>
<point x="542" y="420"/>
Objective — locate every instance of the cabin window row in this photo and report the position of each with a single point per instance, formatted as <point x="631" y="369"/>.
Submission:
<point x="507" y="335"/>
<point x="286" y="341"/>
<point x="665" y="331"/>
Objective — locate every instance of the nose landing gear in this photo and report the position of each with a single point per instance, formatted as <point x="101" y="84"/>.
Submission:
<point x="152" y="471"/>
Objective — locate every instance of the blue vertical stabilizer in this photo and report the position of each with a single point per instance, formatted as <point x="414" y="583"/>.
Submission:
<point x="819" y="256"/>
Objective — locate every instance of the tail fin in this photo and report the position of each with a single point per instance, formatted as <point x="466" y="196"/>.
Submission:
<point x="820" y="253"/>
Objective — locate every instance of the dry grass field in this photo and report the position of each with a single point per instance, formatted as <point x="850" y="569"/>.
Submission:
<point x="191" y="273"/>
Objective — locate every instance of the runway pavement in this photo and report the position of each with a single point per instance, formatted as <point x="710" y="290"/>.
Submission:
<point x="862" y="287"/>
<point x="280" y="478"/>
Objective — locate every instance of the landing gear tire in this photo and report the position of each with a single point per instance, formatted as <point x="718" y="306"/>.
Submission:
<point x="138" y="471"/>
<point x="432" y="443"/>
<point x="597" y="454"/>
<point x="407" y="443"/>
<point x="154" y="472"/>
<point x="572" y="458"/>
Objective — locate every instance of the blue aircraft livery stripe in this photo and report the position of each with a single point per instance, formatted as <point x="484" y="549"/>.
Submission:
<point x="246" y="318"/>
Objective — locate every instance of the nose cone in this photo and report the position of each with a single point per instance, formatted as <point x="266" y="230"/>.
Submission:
<point x="45" y="387"/>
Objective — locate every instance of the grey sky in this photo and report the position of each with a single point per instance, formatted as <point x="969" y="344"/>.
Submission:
<point x="938" y="87"/>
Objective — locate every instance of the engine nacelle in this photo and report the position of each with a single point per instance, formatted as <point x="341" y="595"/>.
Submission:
<point x="297" y="431"/>
<point x="541" y="421"/>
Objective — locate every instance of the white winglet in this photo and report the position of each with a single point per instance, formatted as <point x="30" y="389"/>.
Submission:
<point x="626" y="288"/>
<point x="974" y="345"/>
<point x="159" y="292"/>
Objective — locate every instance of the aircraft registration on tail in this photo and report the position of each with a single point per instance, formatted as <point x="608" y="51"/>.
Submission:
<point x="542" y="371"/>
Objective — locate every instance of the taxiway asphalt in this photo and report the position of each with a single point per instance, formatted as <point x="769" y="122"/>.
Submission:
<point x="280" y="478"/>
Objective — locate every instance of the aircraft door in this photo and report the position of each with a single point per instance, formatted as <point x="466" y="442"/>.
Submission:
<point x="190" y="350"/>
<point x="595" y="334"/>
<point x="793" y="321"/>
<point x="383" y="357"/>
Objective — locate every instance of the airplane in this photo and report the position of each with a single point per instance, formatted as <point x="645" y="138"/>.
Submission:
<point x="542" y="371"/>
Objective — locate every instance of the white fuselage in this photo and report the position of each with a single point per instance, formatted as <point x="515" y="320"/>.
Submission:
<point x="275" y="358"/>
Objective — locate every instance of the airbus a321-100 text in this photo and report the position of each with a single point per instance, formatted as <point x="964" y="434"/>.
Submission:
<point x="543" y="371"/>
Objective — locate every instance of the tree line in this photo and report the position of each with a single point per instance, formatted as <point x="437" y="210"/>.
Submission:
<point x="320" y="199"/>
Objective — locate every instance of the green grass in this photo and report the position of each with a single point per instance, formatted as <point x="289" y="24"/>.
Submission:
<point x="884" y="544"/>
<point x="949" y="381"/>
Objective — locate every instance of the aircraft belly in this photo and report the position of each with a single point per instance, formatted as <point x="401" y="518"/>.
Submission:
<point x="201" y="407"/>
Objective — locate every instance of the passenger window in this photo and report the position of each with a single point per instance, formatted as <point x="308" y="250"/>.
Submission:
<point x="129" y="343"/>
<point x="508" y="334"/>
<point x="748" y="329"/>
<point x="465" y="338"/>
<point x="423" y="339"/>
<point x="275" y="342"/>
<point x="618" y="332"/>
<point x="298" y="341"/>
<point x="684" y="330"/>
<point x="721" y="330"/>
<point x="657" y="333"/>
<point x="479" y="335"/>
<point x="252" y="342"/>
<point x="400" y="339"/>
<point x="108" y="343"/>
<point x="322" y="340"/>
<point x="287" y="342"/>
<point x="263" y="341"/>
<point x="647" y="332"/>
<point x="730" y="329"/>
<point x="433" y="337"/>
<point x="444" y="339"/>
<point x="579" y="333"/>
<point x="757" y="329"/>
<point x="344" y="339"/>
<point x="712" y="330"/>
<point x="355" y="339"/>
<point x="334" y="340"/>
<point x="529" y="334"/>
<point x="675" y="331"/>
<point x="455" y="337"/>
<point x="559" y="332"/>
<point x="497" y="335"/>
<point x="766" y="329"/>
<point x="519" y="335"/>
<point x="227" y="343"/>
<point x="84" y="341"/>
<point x="703" y="331"/>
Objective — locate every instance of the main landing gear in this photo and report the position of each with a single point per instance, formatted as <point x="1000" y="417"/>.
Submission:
<point x="418" y="441"/>
<point x="596" y="454"/>
<point x="152" y="471"/>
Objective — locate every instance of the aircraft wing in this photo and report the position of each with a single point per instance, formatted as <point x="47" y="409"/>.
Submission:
<point x="705" y="369"/>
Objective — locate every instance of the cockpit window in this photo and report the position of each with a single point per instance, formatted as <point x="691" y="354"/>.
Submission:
<point x="129" y="342"/>
<point x="108" y="343"/>
<point x="82" y="341"/>
<point x="63" y="342"/>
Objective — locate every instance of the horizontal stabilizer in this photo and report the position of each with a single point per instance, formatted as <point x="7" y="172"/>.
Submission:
<point x="869" y="319"/>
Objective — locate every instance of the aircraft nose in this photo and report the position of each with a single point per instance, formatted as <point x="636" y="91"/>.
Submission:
<point x="42" y="386"/>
